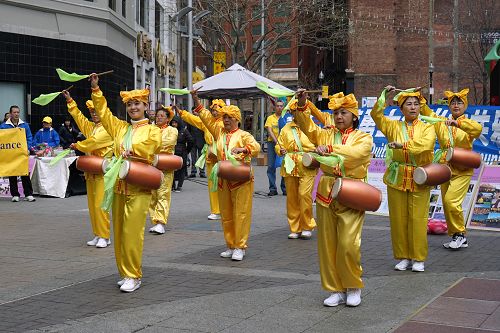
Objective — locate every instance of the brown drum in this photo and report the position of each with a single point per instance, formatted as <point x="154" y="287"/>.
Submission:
<point x="167" y="162"/>
<point x="356" y="194"/>
<point x="233" y="173"/>
<point x="463" y="158"/>
<point x="141" y="174"/>
<point x="309" y="161"/>
<point x="91" y="164"/>
<point x="432" y="174"/>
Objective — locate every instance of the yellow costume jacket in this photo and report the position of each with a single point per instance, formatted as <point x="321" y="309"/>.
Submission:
<point x="463" y="136"/>
<point x="355" y="148"/>
<point x="209" y="139"/>
<point x="286" y="140"/>
<point x="168" y="139"/>
<point x="419" y="148"/>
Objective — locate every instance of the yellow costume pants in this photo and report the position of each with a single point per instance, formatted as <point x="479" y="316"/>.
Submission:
<point x="408" y="213"/>
<point x="213" y="196"/>
<point x="299" y="203"/>
<point x="129" y="220"/>
<point x="339" y="246"/>
<point x="453" y="193"/>
<point x="159" y="209"/>
<point x="236" y="214"/>
<point x="99" y="219"/>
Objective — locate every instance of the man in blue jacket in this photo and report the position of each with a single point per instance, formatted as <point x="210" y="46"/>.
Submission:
<point x="47" y="134"/>
<point x="14" y="122"/>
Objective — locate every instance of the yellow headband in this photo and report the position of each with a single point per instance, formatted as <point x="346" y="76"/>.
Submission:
<point x="142" y="95"/>
<point x="217" y="104"/>
<point x="89" y="104"/>
<point x="339" y="101"/>
<point x="462" y="95"/>
<point x="402" y="96"/>
<point x="168" y="110"/>
<point x="232" y="111"/>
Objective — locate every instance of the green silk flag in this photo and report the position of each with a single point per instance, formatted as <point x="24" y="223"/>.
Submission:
<point x="45" y="99"/>
<point x="431" y="120"/>
<point x="73" y="77"/>
<point x="175" y="91"/>
<point x="275" y="92"/>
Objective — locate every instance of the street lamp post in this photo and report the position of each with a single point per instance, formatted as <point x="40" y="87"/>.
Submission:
<point x="431" y="88"/>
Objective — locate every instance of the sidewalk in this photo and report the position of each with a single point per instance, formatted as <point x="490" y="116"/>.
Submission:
<point x="51" y="282"/>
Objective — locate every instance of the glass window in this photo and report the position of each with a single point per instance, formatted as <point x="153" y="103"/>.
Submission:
<point x="284" y="44"/>
<point x="112" y="4"/>
<point x="124" y="8"/>
<point x="142" y="12"/>
<point x="283" y="59"/>
<point x="282" y="10"/>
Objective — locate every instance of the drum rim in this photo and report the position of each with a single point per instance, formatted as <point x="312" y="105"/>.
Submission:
<point x="337" y="187"/>
<point x="307" y="159"/>
<point x="125" y="166"/>
<point x="156" y="159"/>
<point x="416" y="175"/>
<point x="449" y="154"/>
<point x="104" y="165"/>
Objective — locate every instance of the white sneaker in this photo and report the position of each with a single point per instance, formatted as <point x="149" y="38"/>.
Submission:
<point x="130" y="285"/>
<point x="102" y="243"/>
<point x="227" y="254"/>
<point x="30" y="198"/>
<point x="158" y="229"/>
<point x="353" y="297"/>
<point x="15" y="199"/>
<point x="93" y="242"/>
<point x="335" y="299"/>
<point x="121" y="282"/>
<point x="293" y="235"/>
<point x="306" y="234"/>
<point x="458" y="241"/>
<point x="238" y="254"/>
<point x="108" y="241"/>
<point x="418" y="266"/>
<point x="214" y="217"/>
<point x="402" y="265"/>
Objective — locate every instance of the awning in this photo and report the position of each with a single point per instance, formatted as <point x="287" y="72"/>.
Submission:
<point x="492" y="56"/>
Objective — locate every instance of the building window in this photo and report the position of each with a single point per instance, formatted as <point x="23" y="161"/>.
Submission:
<point x="284" y="44"/>
<point x="142" y="12"/>
<point x="283" y="59"/>
<point x="256" y="30"/>
<point x="282" y="10"/>
<point x="112" y="4"/>
<point x="124" y="8"/>
<point x="159" y="15"/>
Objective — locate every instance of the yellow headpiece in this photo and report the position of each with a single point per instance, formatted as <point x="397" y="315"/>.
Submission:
<point x="339" y="101"/>
<point x="142" y="95"/>
<point x="402" y="96"/>
<point x="232" y="111"/>
<point x="217" y="104"/>
<point x="462" y="95"/>
<point x="89" y="104"/>
<point x="169" y="111"/>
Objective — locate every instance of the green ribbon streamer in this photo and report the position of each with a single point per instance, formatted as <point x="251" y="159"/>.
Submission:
<point x="172" y="91"/>
<point x="275" y="92"/>
<point x="431" y="120"/>
<point x="289" y="163"/>
<point x="214" y="178"/>
<point x="381" y="100"/>
<point x="393" y="172"/>
<point x="407" y="138"/>
<point x="229" y="155"/>
<point x="73" y="77"/>
<point x="59" y="156"/>
<point x="437" y="155"/>
<point x="332" y="160"/>
<point x="45" y="99"/>
<point x="112" y="171"/>
<point x="287" y="107"/>
<point x="200" y="162"/>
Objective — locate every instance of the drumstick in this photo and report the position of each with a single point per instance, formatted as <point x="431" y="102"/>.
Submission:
<point x="314" y="91"/>
<point x="106" y="72"/>
<point x="68" y="88"/>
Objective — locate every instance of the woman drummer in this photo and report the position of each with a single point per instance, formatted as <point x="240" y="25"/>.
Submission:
<point x="97" y="143"/>
<point x="411" y="143"/>
<point x="138" y="140"/>
<point x="235" y="198"/>
<point x="209" y="150"/>
<point x="459" y="131"/>
<point x="339" y="227"/>
<point x="159" y="208"/>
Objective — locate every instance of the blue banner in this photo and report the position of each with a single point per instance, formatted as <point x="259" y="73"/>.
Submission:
<point x="488" y="144"/>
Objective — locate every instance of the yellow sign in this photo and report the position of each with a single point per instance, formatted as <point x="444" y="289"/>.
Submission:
<point x="14" y="152"/>
<point x="324" y="92"/>
<point x="219" y="62"/>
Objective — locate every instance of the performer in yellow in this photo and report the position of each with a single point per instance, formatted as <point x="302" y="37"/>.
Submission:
<point x="272" y="128"/>
<point x="458" y="131"/>
<point x="235" y="198"/>
<point x="339" y="227"/>
<point x="299" y="180"/>
<point x="411" y="142"/>
<point x="159" y="208"/>
<point x="97" y="143"/>
<point x="209" y="150"/>
<point x="130" y="203"/>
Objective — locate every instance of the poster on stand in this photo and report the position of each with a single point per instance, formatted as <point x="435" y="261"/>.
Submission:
<point x="376" y="178"/>
<point x="485" y="214"/>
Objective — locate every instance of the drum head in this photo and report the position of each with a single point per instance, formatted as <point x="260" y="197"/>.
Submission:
<point x="155" y="160"/>
<point x="449" y="154"/>
<point x="307" y="160"/>
<point x="105" y="164"/>
<point x="124" y="170"/>
<point x="337" y="186"/>
<point x="420" y="176"/>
